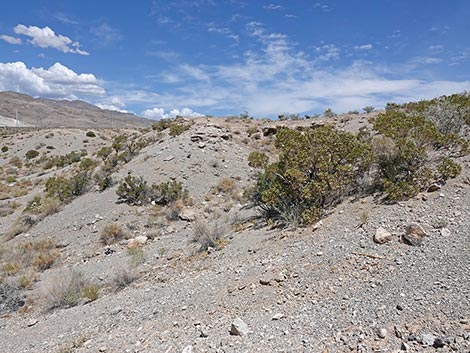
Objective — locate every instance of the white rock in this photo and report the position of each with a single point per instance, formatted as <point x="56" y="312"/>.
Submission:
<point x="141" y="239"/>
<point x="317" y="225"/>
<point x="239" y="328"/>
<point x="445" y="232"/>
<point x="188" y="215"/>
<point x="382" y="333"/>
<point x="382" y="236"/>
<point x="188" y="349"/>
<point x="278" y="316"/>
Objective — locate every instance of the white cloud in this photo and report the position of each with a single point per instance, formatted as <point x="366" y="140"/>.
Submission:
<point x="273" y="7"/>
<point x="46" y="38"/>
<point x="159" y="113"/>
<point x="11" y="40"/>
<point x="58" y="81"/>
<point x="364" y="47"/>
<point x="280" y="78"/>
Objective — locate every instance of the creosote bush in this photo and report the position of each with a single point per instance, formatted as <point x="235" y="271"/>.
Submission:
<point x="31" y="154"/>
<point x="112" y="233"/>
<point x="90" y="134"/>
<point x="257" y="159"/>
<point x="316" y="170"/>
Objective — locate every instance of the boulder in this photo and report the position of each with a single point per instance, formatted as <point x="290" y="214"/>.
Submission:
<point x="414" y="234"/>
<point x="239" y="328"/>
<point x="382" y="236"/>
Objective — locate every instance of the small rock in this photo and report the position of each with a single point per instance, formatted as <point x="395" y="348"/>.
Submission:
<point x="188" y="349"/>
<point x="266" y="281"/>
<point x="239" y="327"/>
<point x="116" y="310"/>
<point x="434" y="187"/>
<point x="103" y="349"/>
<point x="169" y="158"/>
<point x="382" y="236"/>
<point x="427" y="339"/>
<point x="317" y="225"/>
<point x="414" y="235"/>
<point x="201" y="145"/>
<point x="439" y="343"/>
<point x="141" y="239"/>
<point x="445" y="232"/>
<point x="32" y="322"/>
<point x="278" y="316"/>
<point x="188" y="215"/>
<point x="382" y="333"/>
<point x="405" y="347"/>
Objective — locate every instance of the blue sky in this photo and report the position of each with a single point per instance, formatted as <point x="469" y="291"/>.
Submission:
<point x="163" y="58"/>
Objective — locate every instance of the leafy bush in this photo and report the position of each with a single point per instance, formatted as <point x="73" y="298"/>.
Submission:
<point x="161" y="125"/>
<point x="104" y="152"/>
<point x="31" y="154"/>
<point x="103" y="178"/>
<point x="177" y="129"/>
<point x="316" y="170"/>
<point x="4" y="149"/>
<point x="90" y="134"/>
<point x="133" y="191"/>
<point x="368" y="109"/>
<point x="328" y="113"/>
<point x="87" y="164"/>
<point x="65" y="189"/>
<point x="16" y="161"/>
<point x="257" y="159"/>
<point x="168" y="192"/>
<point x="448" y="169"/>
<point x="404" y="151"/>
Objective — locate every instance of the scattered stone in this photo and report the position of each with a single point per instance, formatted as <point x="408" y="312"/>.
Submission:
<point x="188" y="349"/>
<point x="427" y="339"/>
<point x="31" y="322"/>
<point x="382" y="333"/>
<point x="239" y="328"/>
<point x="445" y="232"/>
<point x="169" y="158"/>
<point x="439" y="343"/>
<point x="317" y="225"/>
<point x="116" y="310"/>
<point x="265" y="281"/>
<point x="382" y="236"/>
<point x="405" y="347"/>
<point x="400" y="307"/>
<point x="188" y="215"/>
<point x="414" y="235"/>
<point x="201" y="145"/>
<point x="103" y="349"/>
<point x="141" y="239"/>
<point x="278" y="317"/>
<point x="434" y="187"/>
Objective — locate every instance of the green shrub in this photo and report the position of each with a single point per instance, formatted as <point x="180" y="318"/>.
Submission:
<point x="161" y="125"/>
<point x="257" y="159"/>
<point x="177" y="129"/>
<point x="59" y="187"/>
<point x="448" y="169"/>
<point x="328" y="113"/>
<point x="112" y="233"/>
<point x="16" y="161"/>
<point x="368" y="109"/>
<point x="4" y="149"/>
<point x="168" y="192"/>
<point x="133" y="191"/>
<point x="87" y="164"/>
<point x="31" y="154"/>
<point x="90" y="134"/>
<point x="315" y="171"/>
<point x="103" y="178"/>
<point x="119" y="143"/>
<point x="104" y="152"/>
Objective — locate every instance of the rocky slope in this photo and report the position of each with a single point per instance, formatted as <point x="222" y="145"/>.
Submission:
<point x="324" y="288"/>
<point x="44" y="113"/>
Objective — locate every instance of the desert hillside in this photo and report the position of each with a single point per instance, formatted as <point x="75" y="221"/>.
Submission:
<point x="45" y="113"/>
<point x="338" y="233"/>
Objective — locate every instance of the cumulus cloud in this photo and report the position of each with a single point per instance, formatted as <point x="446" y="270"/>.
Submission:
<point x="159" y="113"/>
<point x="58" y="81"/>
<point x="46" y="38"/>
<point x="10" y="39"/>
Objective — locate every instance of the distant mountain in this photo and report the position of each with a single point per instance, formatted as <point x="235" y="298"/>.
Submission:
<point x="42" y="112"/>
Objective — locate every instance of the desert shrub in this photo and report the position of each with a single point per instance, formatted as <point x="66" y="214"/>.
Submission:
<point x="87" y="164"/>
<point x="31" y="154"/>
<point x="90" y="134"/>
<point x="328" y="113"/>
<point x="368" y="109"/>
<point x="91" y="292"/>
<point x="177" y="129"/>
<point x="226" y="185"/>
<point x="208" y="235"/>
<point x="173" y="210"/>
<point x="133" y="191"/>
<point x="161" y="125"/>
<point x="103" y="178"/>
<point x="39" y="254"/>
<point x="119" y="142"/>
<point x="136" y="256"/>
<point x="34" y="206"/>
<point x="16" y="161"/>
<point x="257" y="159"/>
<point x="168" y="192"/>
<point x="448" y="169"/>
<point x="112" y="233"/>
<point x="104" y="152"/>
<point x="10" y="179"/>
<point x="8" y="208"/>
<point x="315" y="171"/>
<point x="68" y="159"/>
<point x="404" y="151"/>
<point x="65" y="189"/>
<point x="123" y="278"/>
<point x="64" y="290"/>
<point x="4" y="149"/>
